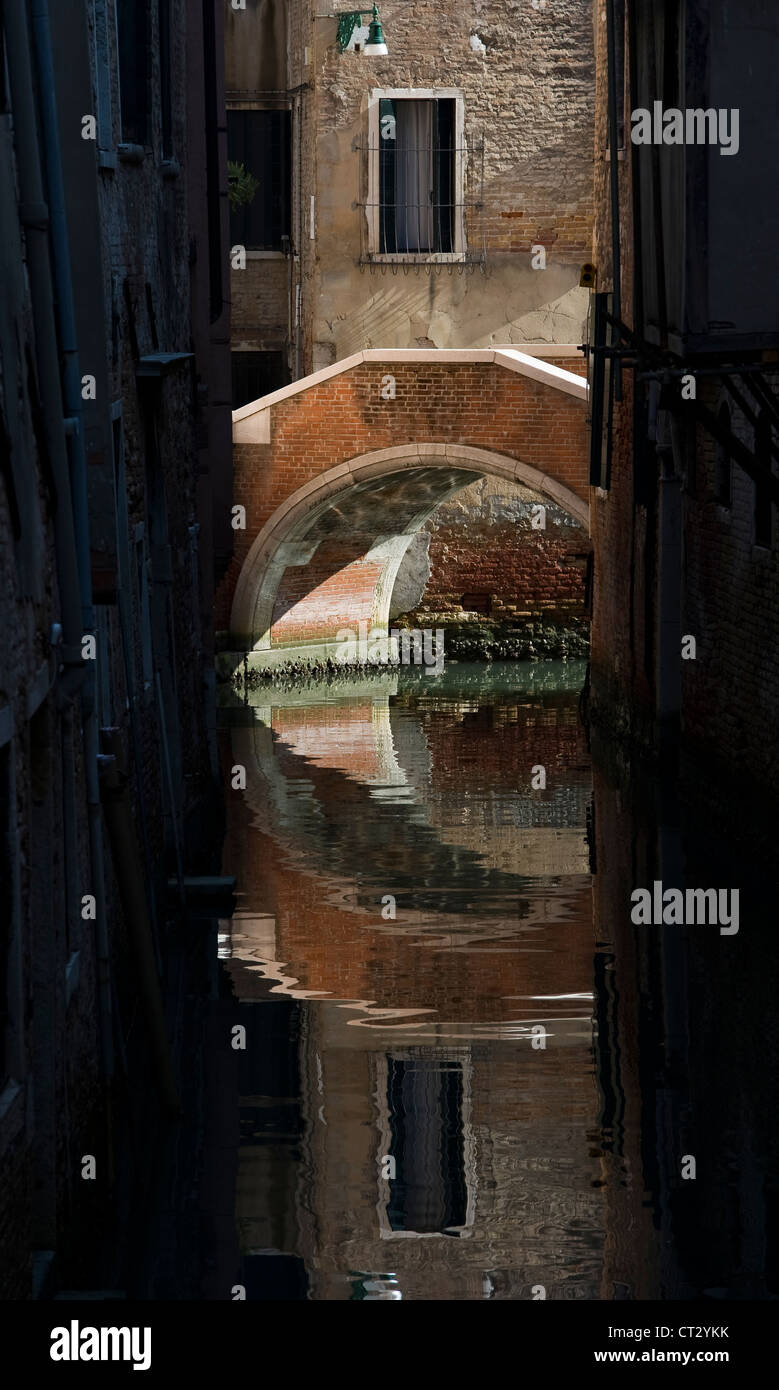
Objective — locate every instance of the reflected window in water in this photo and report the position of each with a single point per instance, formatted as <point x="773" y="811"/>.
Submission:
<point x="425" y="1099"/>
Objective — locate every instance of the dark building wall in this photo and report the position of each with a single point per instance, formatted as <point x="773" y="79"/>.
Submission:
<point x="673" y="558"/>
<point x="113" y="526"/>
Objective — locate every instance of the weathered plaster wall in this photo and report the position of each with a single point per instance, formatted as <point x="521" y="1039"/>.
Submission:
<point x="529" y="96"/>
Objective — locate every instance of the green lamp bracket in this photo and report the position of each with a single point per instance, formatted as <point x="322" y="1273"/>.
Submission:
<point x="349" y="21"/>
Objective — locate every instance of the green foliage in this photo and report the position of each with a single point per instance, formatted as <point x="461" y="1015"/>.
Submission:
<point x="241" y="185"/>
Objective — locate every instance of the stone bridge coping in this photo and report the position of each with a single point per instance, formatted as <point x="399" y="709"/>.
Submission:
<point x="526" y="362"/>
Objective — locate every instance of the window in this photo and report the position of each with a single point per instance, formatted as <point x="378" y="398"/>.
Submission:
<point x="133" y="24"/>
<point x="724" y="480"/>
<point x="166" y="115"/>
<point x="429" y="1192"/>
<point x="105" y="134"/>
<point x="762" y="493"/>
<point x="260" y="140"/>
<point x="256" y="374"/>
<point x="416" y="176"/>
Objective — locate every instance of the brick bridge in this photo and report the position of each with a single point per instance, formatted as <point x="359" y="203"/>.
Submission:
<point x="338" y="471"/>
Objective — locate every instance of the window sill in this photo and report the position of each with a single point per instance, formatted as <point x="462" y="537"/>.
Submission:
<point x="265" y="255"/>
<point x="417" y="258"/>
<point x="762" y="554"/>
<point x="132" y="154"/>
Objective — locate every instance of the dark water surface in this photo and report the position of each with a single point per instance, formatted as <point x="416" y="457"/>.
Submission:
<point x="467" y="1074"/>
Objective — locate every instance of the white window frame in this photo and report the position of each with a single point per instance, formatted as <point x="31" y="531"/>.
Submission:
<point x="456" y="95"/>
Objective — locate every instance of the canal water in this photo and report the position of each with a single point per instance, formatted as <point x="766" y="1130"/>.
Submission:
<point x="466" y="1074"/>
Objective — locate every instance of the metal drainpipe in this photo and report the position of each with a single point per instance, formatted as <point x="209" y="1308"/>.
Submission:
<point x="34" y="216"/>
<point x="71" y="376"/>
<point x="299" y="247"/>
<point x="669" y="576"/>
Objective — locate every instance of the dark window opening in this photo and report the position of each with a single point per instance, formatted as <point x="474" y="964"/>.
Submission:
<point x="416" y="176"/>
<point x="133" y="37"/>
<point x="256" y="374"/>
<point x="724" y="476"/>
<point x="213" y="189"/>
<point x="763" y="506"/>
<point x="260" y="140"/>
<point x="425" y="1101"/>
<point x="166" y="78"/>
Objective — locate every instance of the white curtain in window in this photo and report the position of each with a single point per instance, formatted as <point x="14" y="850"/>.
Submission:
<point x="414" y="176"/>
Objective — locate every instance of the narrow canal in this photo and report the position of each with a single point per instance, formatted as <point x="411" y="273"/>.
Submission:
<point x="466" y="1074"/>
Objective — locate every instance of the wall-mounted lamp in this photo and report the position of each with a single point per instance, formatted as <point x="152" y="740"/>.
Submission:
<point x="351" y="20"/>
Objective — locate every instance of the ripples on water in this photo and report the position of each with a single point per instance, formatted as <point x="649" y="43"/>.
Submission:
<point x="433" y="1092"/>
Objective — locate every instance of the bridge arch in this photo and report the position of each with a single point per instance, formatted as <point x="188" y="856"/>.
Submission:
<point x="397" y="487"/>
<point x="337" y="472"/>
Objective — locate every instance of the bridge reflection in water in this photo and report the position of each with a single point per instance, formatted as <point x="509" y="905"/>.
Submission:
<point x="473" y="1098"/>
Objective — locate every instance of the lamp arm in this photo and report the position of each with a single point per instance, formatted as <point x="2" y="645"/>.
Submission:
<point x="348" y="21"/>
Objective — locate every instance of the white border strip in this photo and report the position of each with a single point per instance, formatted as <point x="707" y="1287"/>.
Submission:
<point x="527" y="362"/>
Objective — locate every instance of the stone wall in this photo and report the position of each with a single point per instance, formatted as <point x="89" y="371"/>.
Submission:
<point x="483" y="543"/>
<point x="139" y="266"/>
<point x="526" y="79"/>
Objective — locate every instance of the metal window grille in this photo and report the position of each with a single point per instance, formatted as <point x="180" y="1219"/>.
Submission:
<point x="422" y="190"/>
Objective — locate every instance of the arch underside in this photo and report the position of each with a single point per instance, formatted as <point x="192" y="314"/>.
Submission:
<point x="327" y="559"/>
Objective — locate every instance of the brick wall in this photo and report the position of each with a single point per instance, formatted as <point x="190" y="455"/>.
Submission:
<point x="260" y="308"/>
<point x="483" y="542"/>
<point x="481" y="405"/>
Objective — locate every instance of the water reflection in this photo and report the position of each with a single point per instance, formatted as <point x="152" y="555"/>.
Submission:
<point x="428" y="910"/>
<point x="467" y="1075"/>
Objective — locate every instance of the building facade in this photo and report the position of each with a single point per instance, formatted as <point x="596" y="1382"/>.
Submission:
<point x="683" y="465"/>
<point x="438" y="196"/>
<point x="432" y="198"/>
<point x="115" y="522"/>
